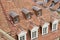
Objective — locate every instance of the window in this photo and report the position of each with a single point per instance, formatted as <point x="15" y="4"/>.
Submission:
<point x="54" y="27"/>
<point x="39" y="13"/>
<point x="22" y="38"/>
<point x="22" y="35"/>
<point x="16" y="20"/>
<point x="34" y="34"/>
<point x="45" y="30"/>
<point x="28" y="16"/>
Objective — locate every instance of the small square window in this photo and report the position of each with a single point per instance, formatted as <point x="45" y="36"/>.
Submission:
<point x="22" y="38"/>
<point x="39" y="13"/>
<point x="16" y="20"/>
<point x="28" y="16"/>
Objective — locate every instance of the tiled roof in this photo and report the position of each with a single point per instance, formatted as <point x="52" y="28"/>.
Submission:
<point x="25" y="24"/>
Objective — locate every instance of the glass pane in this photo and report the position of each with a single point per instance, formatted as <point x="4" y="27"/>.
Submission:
<point x="34" y="34"/>
<point x="54" y="27"/>
<point x="22" y="38"/>
<point x="39" y="13"/>
<point x="16" y="20"/>
<point x="45" y="30"/>
<point x="28" y="15"/>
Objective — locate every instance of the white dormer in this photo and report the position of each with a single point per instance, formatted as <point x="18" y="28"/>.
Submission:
<point x="34" y="32"/>
<point x="45" y="28"/>
<point x="55" y="25"/>
<point x="22" y="35"/>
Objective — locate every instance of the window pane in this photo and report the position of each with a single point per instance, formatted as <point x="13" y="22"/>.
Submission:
<point x="22" y="38"/>
<point x="34" y="34"/>
<point x="45" y="30"/>
<point x="16" y="20"/>
<point x="28" y="16"/>
<point x="39" y="13"/>
<point x="54" y="27"/>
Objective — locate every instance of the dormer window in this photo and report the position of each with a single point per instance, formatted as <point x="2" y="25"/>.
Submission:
<point x="55" y="25"/>
<point x="58" y="9"/>
<point x="22" y="36"/>
<point x="14" y="16"/>
<point x="37" y="10"/>
<point x="26" y="13"/>
<point x="34" y="33"/>
<point x="45" y="29"/>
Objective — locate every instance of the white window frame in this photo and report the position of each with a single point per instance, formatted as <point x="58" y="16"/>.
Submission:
<point x="55" y="22"/>
<point x="23" y="33"/>
<point x="44" y="26"/>
<point x="33" y="30"/>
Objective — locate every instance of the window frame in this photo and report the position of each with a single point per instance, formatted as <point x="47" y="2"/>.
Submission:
<point x="21" y="37"/>
<point x="22" y="34"/>
<point x="28" y="15"/>
<point x="16" y="19"/>
<point x="44" y="26"/>
<point x="55" y="22"/>
<point x="39" y="13"/>
<point x="33" y="30"/>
